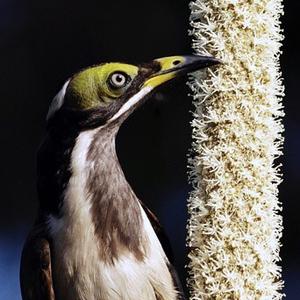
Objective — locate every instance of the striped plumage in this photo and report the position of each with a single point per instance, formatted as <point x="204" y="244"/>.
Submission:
<point x="93" y="239"/>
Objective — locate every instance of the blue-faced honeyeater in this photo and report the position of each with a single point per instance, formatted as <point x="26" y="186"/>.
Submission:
<point x="93" y="239"/>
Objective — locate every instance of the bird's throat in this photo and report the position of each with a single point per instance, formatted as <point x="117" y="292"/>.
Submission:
<point x="115" y="209"/>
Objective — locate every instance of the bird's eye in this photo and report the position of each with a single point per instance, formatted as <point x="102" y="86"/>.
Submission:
<point x="118" y="80"/>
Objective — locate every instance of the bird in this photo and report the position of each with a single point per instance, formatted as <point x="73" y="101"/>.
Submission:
<point x="92" y="238"/>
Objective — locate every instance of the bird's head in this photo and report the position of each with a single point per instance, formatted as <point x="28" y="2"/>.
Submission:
<point x="107" y="93"/>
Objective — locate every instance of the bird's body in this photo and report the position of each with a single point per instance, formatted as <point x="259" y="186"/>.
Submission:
<point x="110" y="250"/>
<point x="93" y="238"/>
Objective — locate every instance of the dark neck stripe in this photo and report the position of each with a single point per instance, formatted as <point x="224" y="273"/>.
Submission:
<point x="115" y="209"/>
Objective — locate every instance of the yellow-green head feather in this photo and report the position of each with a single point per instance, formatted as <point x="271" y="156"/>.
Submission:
<point x="92" y="87"/>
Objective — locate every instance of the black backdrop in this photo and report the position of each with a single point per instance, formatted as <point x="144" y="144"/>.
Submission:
<point x="44" y="42"/>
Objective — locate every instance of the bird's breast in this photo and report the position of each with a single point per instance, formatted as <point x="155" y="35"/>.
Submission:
<point x="86" y="264"/>
<point x="79" y="273"/>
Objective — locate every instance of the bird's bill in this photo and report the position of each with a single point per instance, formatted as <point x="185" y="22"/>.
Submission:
<point x="175" y="66"/>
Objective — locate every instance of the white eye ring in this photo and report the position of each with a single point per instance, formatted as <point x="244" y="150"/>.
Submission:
<point x="118" y="80"/>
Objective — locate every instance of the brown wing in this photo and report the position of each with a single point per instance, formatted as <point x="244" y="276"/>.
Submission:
<point x="160" y="232"/>
<point x="35" y="271"/>
<point x="163" y="238"/>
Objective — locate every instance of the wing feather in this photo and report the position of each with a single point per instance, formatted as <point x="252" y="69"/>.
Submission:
<point x="35" y="272"/>
<point x="165" y="242"/>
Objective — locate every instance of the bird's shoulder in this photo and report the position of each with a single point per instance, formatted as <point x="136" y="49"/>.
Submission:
<point x="35" y="270"/>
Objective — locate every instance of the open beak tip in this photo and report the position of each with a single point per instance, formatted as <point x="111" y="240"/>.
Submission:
<point x="198" y="62"/>
<point x="218" y="61"/>
<point x="210" y="60"/>
<point x="214" y="61"/>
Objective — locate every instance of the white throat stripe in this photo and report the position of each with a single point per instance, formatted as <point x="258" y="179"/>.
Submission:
<point x="132" y="101"/>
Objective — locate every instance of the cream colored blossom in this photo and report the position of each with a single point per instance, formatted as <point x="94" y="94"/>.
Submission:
<point x="234" y="228"/>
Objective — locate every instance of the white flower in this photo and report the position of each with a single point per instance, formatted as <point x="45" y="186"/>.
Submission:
<point x="234" y="227"/>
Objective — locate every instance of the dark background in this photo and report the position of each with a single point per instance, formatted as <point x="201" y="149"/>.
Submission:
<point x="43" y="42"/>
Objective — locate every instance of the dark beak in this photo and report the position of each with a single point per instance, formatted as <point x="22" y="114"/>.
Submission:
<point x="175" y="66"/>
